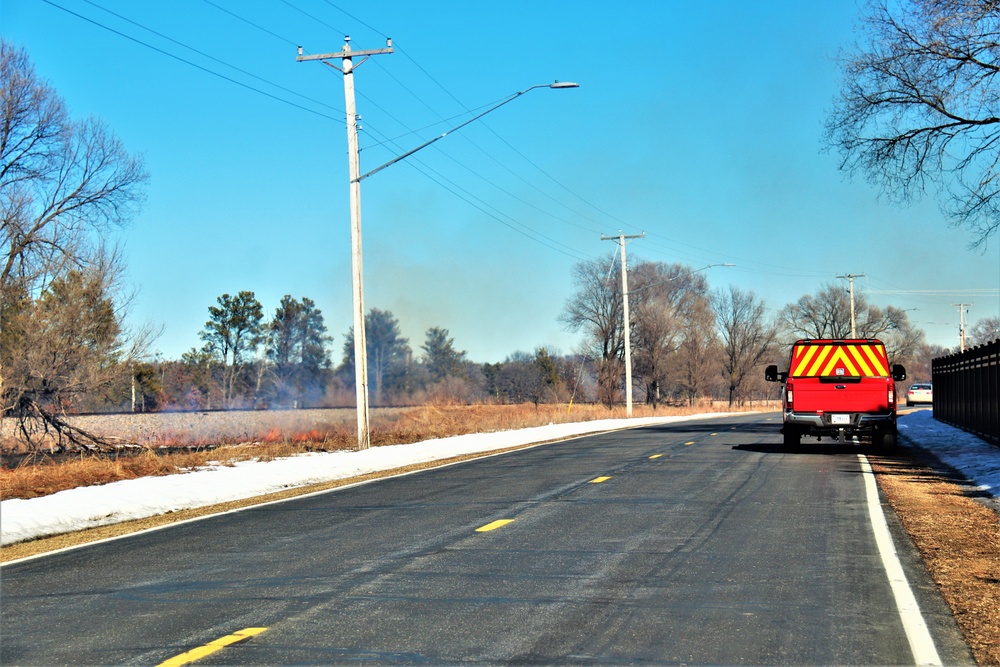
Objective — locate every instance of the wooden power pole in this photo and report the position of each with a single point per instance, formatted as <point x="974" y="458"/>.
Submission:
<point x="626" y="324"/>
<point x="346" y="56"/>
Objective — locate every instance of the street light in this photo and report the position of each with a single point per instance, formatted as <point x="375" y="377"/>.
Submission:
<point x="360" y="342"/>
<point x="670" y="280"/>
<point x="557" y="85"/>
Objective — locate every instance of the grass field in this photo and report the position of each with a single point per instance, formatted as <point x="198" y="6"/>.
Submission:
<point x="163" y="444"/>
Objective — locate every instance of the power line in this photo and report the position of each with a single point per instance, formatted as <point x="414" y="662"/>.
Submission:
<point x="317" y="20"/>
<point x="210" y="57"/>
<point x="187" y="62"/>
<point x="465" y="137"/>
<point x="466" y="196"/>
<point x="454" y="187"/>
<point x="250" y="23"/>
<point x="938" y="292"/>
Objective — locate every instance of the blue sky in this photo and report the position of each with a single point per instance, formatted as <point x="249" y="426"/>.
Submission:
<point x="698" y="123"/>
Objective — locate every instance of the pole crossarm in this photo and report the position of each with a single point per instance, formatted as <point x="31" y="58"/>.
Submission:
<point x="345" y="54"/>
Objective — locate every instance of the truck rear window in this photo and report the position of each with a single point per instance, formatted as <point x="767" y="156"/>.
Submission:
<point x="839" y="360"/>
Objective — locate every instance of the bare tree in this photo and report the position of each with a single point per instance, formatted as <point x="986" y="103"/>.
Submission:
<point x="63" y="185"/>
<point x="596" y="309"/>
<point x="827" y="314"/>
<point x="746" y="336"/>
<point x="920" y="106"/>
<point x="695" y="375"/>
<point x="60" y="181"/>
<point x="824" y="315"/>
<point x="984" y="331"/>
<point x="667" y="300"/>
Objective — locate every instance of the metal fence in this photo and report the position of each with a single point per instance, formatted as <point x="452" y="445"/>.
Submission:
<point x="967" y="390"/>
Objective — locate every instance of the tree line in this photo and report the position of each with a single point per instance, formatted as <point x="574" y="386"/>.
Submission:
<point x="688" y="343"/>
<point x="285" y="361"/>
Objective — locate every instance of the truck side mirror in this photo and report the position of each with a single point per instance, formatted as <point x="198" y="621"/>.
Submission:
<point x="771" y="373"/>
<point x="898" y="372"/>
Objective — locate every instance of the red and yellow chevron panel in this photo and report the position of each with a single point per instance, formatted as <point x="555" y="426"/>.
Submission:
<point x="839" y="360"/>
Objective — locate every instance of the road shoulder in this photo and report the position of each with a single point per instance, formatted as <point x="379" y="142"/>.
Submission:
<point x="957" y="537"/>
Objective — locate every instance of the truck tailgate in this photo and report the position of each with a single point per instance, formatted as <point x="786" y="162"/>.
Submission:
<point x="869" y="395"/>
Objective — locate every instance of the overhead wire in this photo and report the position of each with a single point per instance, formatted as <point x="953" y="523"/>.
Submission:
<point x="210" y="57"/>
<point x="491" y="130"/>
<point x="666" y="250"/>
<point x="399" y="48"/>
<point x="452" y="189"/>
<point x="482" y="206"/>
<point x="250" y="23"/>
<point x="187" y="62"/>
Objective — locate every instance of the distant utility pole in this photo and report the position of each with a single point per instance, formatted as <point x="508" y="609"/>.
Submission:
<point x="851" y="277"/>
<point x="621" y="238"/>
<point x="360" y="341"/>
<point x="961" y="323"/>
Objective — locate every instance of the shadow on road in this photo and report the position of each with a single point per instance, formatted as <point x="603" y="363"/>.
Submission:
<point x="823" y="448"/>
<point x="751" y="427"/>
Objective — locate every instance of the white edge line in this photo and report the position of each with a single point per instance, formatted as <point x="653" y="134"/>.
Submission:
<point x="917" y="634"/>
<point x="515" y="448"/>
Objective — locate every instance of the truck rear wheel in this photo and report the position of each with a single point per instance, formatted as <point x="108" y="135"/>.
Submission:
<point x="888" y="440"/>
<point x="883" y="441"/>
<point x="792" y="438"/>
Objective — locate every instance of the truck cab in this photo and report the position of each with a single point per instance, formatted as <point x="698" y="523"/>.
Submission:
<point x="838" y="389"/>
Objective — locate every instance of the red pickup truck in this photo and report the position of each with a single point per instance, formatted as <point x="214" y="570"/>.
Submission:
<point x="838" y="388"/>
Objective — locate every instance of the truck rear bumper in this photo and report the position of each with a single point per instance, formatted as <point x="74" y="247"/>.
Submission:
<point x="833" y="422"/>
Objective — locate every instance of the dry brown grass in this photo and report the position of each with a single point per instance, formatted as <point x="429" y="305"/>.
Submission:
<point x="39" y="475"/>
<point x="959" y="540"/>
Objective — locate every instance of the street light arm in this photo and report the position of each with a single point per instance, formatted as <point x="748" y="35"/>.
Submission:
<point x="669" y="280"/>
<point x="513" y="97"/>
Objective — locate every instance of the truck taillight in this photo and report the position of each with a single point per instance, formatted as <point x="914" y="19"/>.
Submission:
<point x="788" y="395"/>
<point x="892" y="395"/>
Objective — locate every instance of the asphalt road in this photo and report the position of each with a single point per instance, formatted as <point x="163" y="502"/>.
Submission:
<point x="695" y="543"/>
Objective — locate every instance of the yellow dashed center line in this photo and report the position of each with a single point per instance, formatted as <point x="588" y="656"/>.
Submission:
<point x="211" y="647"/>
<point x="598" y="480"/>
<point x="493" y="526"/>
<point x="691" y="442"/>
<point x="656" y="456"/>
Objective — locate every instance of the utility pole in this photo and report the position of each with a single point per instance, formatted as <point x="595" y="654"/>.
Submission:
<point x="626" y="325"/>
<point x="961" y="323"/>
<point x="851" y="277"/>
<point x="360" y="342"/>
